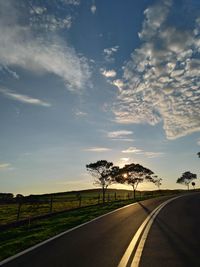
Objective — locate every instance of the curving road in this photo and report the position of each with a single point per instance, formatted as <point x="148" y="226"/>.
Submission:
<point x="173" y="240"/>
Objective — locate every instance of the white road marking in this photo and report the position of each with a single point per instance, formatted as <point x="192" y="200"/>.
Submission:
<point x="145" y="227"/>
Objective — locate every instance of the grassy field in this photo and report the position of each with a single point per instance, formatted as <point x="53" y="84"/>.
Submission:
<point x="16" y="239"/>
<point x="48" y="203"/>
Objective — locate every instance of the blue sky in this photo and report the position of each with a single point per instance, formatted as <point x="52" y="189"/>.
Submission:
<point x="84" y="80"/>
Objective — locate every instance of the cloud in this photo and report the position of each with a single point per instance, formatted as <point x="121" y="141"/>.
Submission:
<point x="198" y="142"/>
<point x="93" y="9"/>
<point x="49" y="22"/>
<point x="125" y="159"/>
<point x="109" y="52"/>
<point x="23" y="98"/>
<point x="160" y="82"/>
<point x="40" y="54"/>
<point x="71" y="2"/>
<point x="153" y="154"/>
<point x="80" y="113"/>
<point x="132" y="150"/>
<point x="108" y="73"/>
<point x="142" y="152"/>
<point x="4" y="166"/>
<point x="119" y="134"/>
<point x="97" y="149"/>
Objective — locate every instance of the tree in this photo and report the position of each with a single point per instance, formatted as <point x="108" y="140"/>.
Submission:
<point x="103" y="173"/>
<point x="193" y="184"/>
<point x="133" y="174"/>
<point x="198" y="154"/>
<point x="186" y="178"/>
<point x="157" y="181"/>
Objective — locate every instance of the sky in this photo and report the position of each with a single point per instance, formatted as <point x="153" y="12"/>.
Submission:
<point x="86" y="80"/>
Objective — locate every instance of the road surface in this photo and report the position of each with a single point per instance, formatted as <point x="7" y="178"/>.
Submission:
<point x="173" y="239"/>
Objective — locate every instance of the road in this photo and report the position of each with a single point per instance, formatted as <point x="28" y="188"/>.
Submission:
<point x="174" y="237"/>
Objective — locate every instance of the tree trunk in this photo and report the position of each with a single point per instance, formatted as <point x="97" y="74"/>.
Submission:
<point x="103" y="191"/>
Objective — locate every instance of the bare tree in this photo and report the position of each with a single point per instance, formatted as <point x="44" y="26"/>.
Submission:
<point x="186" y="178"/>
<point x="133" y="174"/>
<point x="103" y="173"/>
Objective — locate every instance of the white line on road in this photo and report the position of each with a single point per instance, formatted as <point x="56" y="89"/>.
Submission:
<point x="144" y="228"/>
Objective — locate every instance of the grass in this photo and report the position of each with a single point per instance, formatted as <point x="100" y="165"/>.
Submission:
<point x="61" y="201"/>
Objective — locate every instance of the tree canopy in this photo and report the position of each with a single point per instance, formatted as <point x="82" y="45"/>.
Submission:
<point x="186" y="178"/>
<point x="103" y="173"/>
<point x="133" y="174"/>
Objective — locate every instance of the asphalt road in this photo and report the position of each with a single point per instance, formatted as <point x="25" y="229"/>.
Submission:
<point x="100" y="243"/>
<point x="174" y="238"/>
<point x="172" y="241"/>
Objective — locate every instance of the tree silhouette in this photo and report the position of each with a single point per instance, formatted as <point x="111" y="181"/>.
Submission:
<point x="157" y="181"/>
<point x="186" y="178"/>
<point x="198" y="154"/>
<point x="103" y="173"/>
<point x="193" y="184"/>
<point x="133" y="174"/>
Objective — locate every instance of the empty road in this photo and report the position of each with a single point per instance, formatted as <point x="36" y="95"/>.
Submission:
<point x="173" y="239"/>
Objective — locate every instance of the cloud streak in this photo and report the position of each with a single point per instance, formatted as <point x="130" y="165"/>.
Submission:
<point x="97" y="149"/>
<point x="160" y="83"/>
<point x="23" y="98"/>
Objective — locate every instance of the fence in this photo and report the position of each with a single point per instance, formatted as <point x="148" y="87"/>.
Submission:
<point x="29" y="208"/>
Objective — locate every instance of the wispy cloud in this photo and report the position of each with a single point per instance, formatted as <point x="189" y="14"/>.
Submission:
<point x="108" y="73"/>
<point x="97" y="149"/>
<point x="4" y="166"/>
<point x="119" y="134"/>
<point x="132" y="150"/>
<point x="161" y="81"/>
<point x="80" y="113"/>
<point x="22" y="48"/>
<point x="93" y="9"/>
<point x="23" y="98"/>
<point x="109" y="52"/>
<point x="153" y="154"/>
<point x="122" y="135"/>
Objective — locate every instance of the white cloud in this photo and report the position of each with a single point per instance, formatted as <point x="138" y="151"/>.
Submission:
<point x="23" y="98"/>
<point x="71" y="2"/>
<point x="109" y="52"/>
<point x="80" y="113"/>
<point x="97" y="149"/>
<point x="4" y="166"/>
<point x="20" y="47"/>
<point x="161" y="81"/>
<point x="153" y="154"/>
<point x="108" y="73"/>
<point x="132" y="150"/>
<point x="93" y="9"/>
<point x="125" y="159"/>
<point x="49" y="22"/>
<point x="119" y="134"/>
